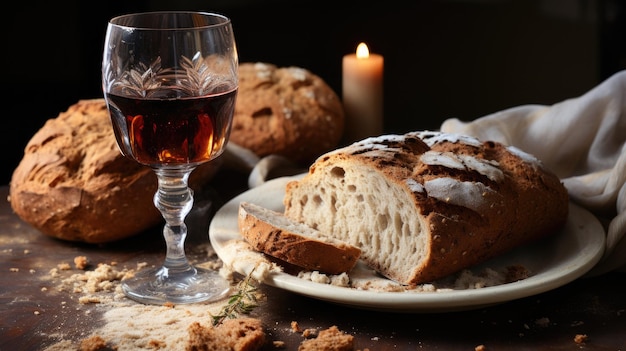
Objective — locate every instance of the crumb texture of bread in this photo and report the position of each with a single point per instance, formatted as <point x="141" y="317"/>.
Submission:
<point x="274" y="234"/>
<point x="287" y="111"/>
<point x="329" y="339"/>
<point x="423" y="205"/>
<point x="73" y="183"/>
<point x="239" y="334"/>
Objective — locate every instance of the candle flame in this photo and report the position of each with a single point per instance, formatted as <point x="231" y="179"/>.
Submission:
<point x="362" y="51"/>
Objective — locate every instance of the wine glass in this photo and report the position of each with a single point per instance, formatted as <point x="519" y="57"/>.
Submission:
<point x="170" y="80"/>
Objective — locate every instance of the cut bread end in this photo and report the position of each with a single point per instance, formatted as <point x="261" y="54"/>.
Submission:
<point x="276" y="235"/>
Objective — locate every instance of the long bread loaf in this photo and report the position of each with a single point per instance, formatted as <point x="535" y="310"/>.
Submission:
<point x="423" y="205"/>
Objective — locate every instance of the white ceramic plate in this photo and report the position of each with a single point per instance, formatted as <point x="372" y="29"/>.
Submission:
<point x="553" y="262"/>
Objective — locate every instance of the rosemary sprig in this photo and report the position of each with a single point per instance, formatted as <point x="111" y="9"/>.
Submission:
<point x="241" y="302"/>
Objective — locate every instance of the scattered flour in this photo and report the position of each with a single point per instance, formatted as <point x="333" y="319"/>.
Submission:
<point x="126" y="324"/>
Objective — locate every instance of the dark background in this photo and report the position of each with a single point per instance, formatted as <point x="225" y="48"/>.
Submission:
<point x="443" y="58"/>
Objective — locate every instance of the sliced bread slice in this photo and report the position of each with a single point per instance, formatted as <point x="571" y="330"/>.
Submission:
<point x="274" y="234"/>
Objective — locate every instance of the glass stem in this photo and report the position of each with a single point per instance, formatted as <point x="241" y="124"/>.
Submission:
<point x="174" y="199"/>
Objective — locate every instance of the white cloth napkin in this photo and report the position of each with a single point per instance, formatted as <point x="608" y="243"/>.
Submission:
<point x="583" y="141"/>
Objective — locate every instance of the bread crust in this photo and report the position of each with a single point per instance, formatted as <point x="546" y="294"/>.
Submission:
<point x="267" y="231"/>
<point x="286" y="111"/>
<point x="446" y="202"/>
<point x="73" y="184"/>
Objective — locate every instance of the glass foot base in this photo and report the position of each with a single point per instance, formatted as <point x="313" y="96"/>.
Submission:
<point x="160" y="286"/>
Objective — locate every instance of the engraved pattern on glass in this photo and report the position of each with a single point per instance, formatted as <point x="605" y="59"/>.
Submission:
<point x="146" y="81"/>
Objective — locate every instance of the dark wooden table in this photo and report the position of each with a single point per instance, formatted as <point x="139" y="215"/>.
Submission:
<point x="595" y="306"/>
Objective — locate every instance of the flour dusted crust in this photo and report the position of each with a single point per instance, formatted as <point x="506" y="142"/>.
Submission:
<point x="73" y="184"/>
<point x="423" y="205"/>
<point x="274" y="234"/>
<point x="287" y="111"/>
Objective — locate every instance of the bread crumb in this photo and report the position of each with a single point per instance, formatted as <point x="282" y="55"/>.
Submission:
<point x="580" y="338"/>
<point x="309" y="333"/>
<point x="64" y="266"/>
<point x="278" y="344"/>
<point x="480" y="348"/>
<point x="80" y="262"/>
<point x="104" y="278"/>
<point x="88" y="299"/>
<point x="14" y="269"/>
<point x="362" y="278"/>
<point x="53" y="272"/>
<point x="329" y="339"/>
<point x="93" y="343"/>
<point x="295" y="327"/>
<point x="239" y="334"/>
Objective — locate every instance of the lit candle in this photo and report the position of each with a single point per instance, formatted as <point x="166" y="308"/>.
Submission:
<point x="362" y="94"/>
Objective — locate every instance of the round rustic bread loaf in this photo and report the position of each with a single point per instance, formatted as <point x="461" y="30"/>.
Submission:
<point x="287" y="111"/>
<point x="73" y="184"/>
